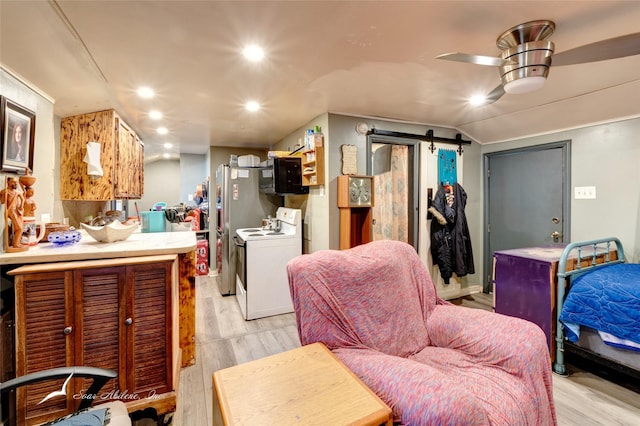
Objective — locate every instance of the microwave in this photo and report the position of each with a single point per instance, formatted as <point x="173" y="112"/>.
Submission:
<point x="282" y="176"/>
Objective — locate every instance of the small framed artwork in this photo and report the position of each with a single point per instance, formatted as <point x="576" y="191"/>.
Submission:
<point x="17" y="138"/>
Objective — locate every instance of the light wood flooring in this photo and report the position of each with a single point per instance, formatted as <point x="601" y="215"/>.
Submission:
<point x="224" y="339"/>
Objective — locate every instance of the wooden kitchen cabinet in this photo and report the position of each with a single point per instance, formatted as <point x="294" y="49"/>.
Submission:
<point x="121" y="158"/>
<point x="116" y="314"/>
<point x="313" y="166"/>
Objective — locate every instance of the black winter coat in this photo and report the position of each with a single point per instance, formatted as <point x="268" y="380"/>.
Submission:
<point x="450" y="239"/>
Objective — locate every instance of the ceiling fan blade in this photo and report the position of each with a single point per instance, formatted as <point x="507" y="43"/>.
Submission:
<point x="494" y="95"/>
<point x="472" y="59"/>
<point x="617" y="47"/>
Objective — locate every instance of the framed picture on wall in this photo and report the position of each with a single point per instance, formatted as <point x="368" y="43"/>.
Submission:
<point x="17" y="138"/>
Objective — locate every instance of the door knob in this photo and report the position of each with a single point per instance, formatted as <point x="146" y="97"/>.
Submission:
<point x="128" y="321"/>
<point x="555" y="234"/>
<point x="67" y="330"/>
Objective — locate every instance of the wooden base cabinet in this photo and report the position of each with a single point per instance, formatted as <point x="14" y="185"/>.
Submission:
<point x="115" y="314"/>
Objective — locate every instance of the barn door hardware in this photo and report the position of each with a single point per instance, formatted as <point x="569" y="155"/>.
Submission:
<point x="428" y="137"/>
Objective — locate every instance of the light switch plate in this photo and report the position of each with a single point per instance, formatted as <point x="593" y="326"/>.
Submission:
<point x="585" y="193"/>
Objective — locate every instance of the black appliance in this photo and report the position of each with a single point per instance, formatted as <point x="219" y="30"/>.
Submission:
<point x="282" y="176"/>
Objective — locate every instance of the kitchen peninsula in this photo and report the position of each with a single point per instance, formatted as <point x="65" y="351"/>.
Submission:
<point x="128" y="306"/>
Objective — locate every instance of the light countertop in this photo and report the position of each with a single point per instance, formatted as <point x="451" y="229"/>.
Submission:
<point x="138" y="244"/>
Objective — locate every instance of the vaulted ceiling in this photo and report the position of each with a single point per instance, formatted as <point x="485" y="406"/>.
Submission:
<point x="366" y="58"/>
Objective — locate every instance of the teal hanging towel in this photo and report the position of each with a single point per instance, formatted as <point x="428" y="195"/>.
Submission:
<point x="447" y="173"/>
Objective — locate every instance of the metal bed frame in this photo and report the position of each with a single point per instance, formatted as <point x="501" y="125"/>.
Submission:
<point x="588" y="253"/>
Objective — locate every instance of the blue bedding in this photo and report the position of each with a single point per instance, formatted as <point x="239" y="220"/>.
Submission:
<point x="606" y="299"/>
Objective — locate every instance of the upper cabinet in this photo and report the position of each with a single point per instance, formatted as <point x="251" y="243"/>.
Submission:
<point x="121" y="158"/>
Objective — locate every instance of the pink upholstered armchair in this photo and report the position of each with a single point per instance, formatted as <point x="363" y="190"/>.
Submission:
<point x="432" y="362"/>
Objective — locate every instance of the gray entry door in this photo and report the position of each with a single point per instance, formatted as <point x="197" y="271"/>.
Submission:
<point x="527" y="199"/>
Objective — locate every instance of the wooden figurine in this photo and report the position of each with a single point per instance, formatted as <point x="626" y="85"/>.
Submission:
<point x="13" y="200"/>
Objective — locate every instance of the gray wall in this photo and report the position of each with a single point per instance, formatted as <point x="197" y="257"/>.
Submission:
<point x="173" y="181"/>
<point x="194" y="170"/>
<point x="606" y="156"/>
<point x="161" y="183"/>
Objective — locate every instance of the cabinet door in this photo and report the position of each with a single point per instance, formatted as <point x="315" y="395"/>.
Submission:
<point x="99" y="295"/>
<point x="75" y="132"/>
<point x="45" y="333"/>
<point x="129" y="160"/>
<point x="137" y="178"/>
<point x="149" y="336"/>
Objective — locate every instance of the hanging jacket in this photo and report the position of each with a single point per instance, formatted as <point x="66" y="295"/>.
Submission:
<point x="450" y="239"/>
<point x="462" y="239"/>
<point x="441" y="240"/>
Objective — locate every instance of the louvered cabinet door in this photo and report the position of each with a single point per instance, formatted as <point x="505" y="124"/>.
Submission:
<point x="149" y="334"/>
<point x="99" y="295"/>
<point x="45" y="339"/>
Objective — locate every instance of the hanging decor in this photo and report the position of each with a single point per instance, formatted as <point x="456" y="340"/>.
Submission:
<point x="447" y="170"/>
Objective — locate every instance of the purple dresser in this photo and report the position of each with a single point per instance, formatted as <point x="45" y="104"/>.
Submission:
<point x="524" y="286"/>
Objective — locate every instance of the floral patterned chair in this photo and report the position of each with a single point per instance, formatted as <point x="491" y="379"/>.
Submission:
<point x="432" y="362"/>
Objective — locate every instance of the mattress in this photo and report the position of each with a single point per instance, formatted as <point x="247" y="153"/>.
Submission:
<point x="590" y="339"/>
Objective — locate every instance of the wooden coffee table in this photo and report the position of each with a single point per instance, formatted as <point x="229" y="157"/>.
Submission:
<point x="303" y="386"/>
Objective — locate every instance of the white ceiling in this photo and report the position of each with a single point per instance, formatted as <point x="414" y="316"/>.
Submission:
<point x="372" y="59"/>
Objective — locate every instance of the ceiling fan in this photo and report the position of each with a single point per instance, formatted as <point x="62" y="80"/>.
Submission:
<point x="527" y="56"/>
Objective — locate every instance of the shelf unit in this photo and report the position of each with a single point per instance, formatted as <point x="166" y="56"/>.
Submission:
<point x="313" y="166"/>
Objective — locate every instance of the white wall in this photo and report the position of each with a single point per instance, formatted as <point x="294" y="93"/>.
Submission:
<point x="46" y="147"/>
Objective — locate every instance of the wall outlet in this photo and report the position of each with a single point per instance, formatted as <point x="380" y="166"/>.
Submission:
<point x="585" y="193"/>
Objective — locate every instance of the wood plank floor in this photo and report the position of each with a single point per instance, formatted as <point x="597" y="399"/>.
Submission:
<point x="224" y="339"/>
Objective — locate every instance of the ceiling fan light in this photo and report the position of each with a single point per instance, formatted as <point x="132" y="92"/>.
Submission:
<point x="524" y="85"/>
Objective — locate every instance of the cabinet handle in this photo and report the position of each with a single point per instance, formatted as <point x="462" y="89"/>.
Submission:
<point x="67" y="330"/>
<point x="128" y="321"/>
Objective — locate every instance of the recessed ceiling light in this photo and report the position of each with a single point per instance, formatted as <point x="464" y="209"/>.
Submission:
<point x="168" y="145"/>
<point x="155" y="115"/>
<point x="477" y="100"/>
<point x="162" y="130"/>
<point x="253" y="53"/>
<point x="166" y="155"/>
<point x="252" y="106"/>
<point x="146" y="92"/>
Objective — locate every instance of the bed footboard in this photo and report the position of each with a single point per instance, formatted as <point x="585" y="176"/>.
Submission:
<point x="588" y="256"/>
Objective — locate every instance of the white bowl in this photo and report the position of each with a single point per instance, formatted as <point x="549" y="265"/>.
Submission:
<point x="114" y="231"/>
